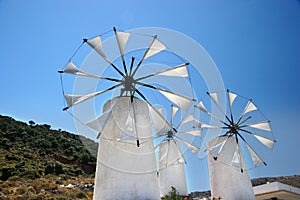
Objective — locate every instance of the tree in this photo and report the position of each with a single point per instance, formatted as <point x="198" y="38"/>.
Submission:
<point x="31" y="123"/>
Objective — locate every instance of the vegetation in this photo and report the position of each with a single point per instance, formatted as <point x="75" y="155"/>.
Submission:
<point x="36" y="161"/>
<point x="174" y="195"/>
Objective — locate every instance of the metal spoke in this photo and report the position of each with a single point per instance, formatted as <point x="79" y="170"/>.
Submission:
<point x="178" y="148"/>
<point x="230" y="106"/>
<point x="134" y="118"/>
<point x="260" y="138"/>
<point x="160" y="89"/>
<point x="143" y="97"/>
<point x="186" y="142"/>
<point x="215" y="117"/>
<point x="131" y="66"/>
<point x="141" y="61"/>
<point x="73" y="70"/>
<point x="244" y="121"/>
<point x="231" y="122"/>
<point x="251" y="148"/>
<point x="122" y="56"/>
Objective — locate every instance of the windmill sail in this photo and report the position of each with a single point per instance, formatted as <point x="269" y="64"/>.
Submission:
<point x="193" y="132"/>
<point x="255" y="158"/>
<point x="189" y="118"/>
<point x="73" y="100"/>
<point x="231" y="97"/>
<point x="267" y="142"/>
<point x="214" y="97"/>
<point x="178" y="71"/>
<point x="160" y="124"/>
<point x="170" y="154"/>
<point x="192" y="147"/>
<point x="99" y="123"/>
<point x="217" y="147"/>
<point x="96" y="44"/>
<point x="249" y="107"/>
<point x="208" y="126"/>
<point x="181" y="101"/>
<point x="155" y="47"/>
<point x="174" y="111"/>
<point x="236" y="158"/>
<point x="72" y="69"/>
<point x="122" y="39"/>
<point x="261" y="125"/>
<point x="202" y="107"/>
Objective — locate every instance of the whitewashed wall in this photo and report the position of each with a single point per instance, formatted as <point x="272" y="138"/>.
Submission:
<point x="125" y="171"/>
<point x="171" y="167"/>
<point x="227" y="181"/>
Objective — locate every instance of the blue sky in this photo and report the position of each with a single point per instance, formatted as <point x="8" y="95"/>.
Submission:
<point x="255" y="44"/>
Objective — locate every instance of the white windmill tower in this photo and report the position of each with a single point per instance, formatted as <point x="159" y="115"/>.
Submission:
<point x="171" y="159"/>
<point x="241" y="126"/>
<point x="126" y="165"/>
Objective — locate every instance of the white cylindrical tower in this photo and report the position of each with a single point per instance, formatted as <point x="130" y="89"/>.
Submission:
<point x="227" y="181"/>
<point x="124" y="170"/>
<point x="171" y="165"/>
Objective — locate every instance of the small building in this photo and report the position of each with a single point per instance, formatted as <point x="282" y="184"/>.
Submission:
<point x="276" y="191"/>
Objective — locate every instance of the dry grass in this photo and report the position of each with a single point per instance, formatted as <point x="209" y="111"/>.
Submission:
<point x="45" y="189"/>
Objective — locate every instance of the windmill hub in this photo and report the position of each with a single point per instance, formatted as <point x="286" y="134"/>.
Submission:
<point x="170" y="134"/>
<point x="234" y="128"/>
<point x="129" y="83"/>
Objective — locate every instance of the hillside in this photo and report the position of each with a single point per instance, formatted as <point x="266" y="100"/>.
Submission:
<point x="289" y="180"/>
<point x="39" y="158"/>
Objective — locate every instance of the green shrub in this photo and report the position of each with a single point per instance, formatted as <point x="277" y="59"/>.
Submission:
<point x="81" y="195"/>
<point x="30" y="174"/>
<point x="173" y="195"/>
<point x="53" y="168"/>
<point x="6" y="172"/>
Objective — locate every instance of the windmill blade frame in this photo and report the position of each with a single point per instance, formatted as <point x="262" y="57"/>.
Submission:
<point x="235" y="127"/>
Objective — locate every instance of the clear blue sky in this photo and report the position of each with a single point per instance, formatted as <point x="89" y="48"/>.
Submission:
<point x="255" y="44"/>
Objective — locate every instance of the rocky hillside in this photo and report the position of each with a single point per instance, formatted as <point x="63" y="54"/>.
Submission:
<point x="35" y="160"/>
<point x="289" y="180"/>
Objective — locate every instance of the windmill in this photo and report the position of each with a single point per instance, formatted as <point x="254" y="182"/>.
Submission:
<point x="242" y="123"/>
<point x="123" y="128"/>
<point x="171" y="159"/>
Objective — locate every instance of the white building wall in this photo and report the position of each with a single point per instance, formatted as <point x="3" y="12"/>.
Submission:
<point x="226" y="181"/>
<point x="171" y="169"/>
<point x="125" y="171"/>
